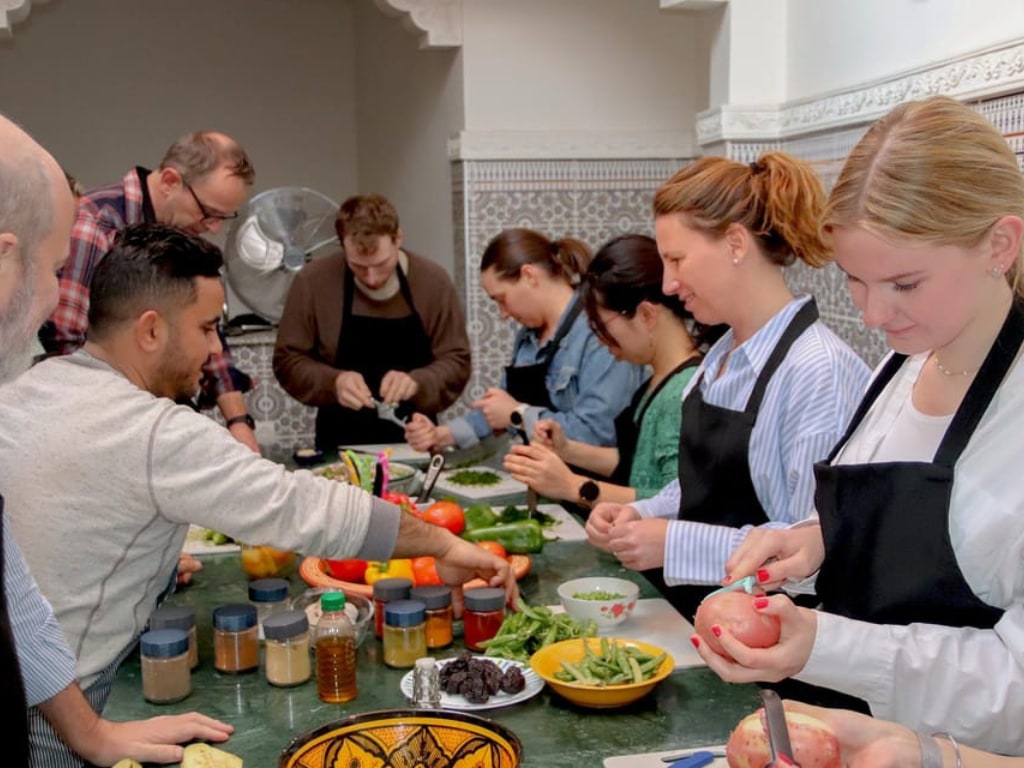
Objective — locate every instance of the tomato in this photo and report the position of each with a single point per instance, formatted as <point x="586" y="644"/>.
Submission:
<point x="347" y="570"/>
<point x="389" y="569"/>
<point x="494" y="548"/>
<point x="447" y="514"/>
<point x="402" y="500"/>
<point x="424" y="571"/>
<point x="736" y="612"/>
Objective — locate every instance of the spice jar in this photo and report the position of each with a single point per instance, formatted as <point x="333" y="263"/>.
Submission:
<point x="178" y="617"/>
<point x="384" y="591"/>
<point x="485" y="611"/>
<point x="268" y="596"/>
<point x="438" y="600"/>
<point x="286" y="656"/>
<point x="236" y="647"/>
<point x="405" y="633"/>
<point x="164" y="659"/>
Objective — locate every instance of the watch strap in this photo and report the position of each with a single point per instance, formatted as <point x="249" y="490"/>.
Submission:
<point x="244" y="418"/>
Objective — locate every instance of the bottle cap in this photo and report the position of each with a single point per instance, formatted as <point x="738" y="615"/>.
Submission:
<point x="285" y="624"/>
<point x="392" y="589"/>
<point x="164" y="643"/>
<point x="173" y="617"/>
<point x="404" y="613"/>
<point x="234" y="617"/>
<point x="268" y="590"/>
<point x="433" y="597"/>
<point x="332" y="601"/>
<point x="485" y="599"/>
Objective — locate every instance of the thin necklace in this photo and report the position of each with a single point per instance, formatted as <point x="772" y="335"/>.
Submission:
<point x="946" y="372"/>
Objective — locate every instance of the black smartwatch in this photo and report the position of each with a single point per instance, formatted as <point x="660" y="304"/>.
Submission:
<point x="588" y="492"/>
<point x="245" y="418"/>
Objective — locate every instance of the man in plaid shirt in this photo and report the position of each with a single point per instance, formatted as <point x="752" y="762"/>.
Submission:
<point x="203" y="180"/>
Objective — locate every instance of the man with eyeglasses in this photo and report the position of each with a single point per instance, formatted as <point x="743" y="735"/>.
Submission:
<point x="202" y="181"/>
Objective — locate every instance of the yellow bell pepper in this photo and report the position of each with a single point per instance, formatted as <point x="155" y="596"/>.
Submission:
<point x="389" y="569"/>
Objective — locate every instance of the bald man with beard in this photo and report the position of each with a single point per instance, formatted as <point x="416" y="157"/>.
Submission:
<point x="36" y="665"/>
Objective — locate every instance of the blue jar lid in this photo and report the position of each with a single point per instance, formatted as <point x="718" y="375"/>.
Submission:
<point x="268" y="590"/>
<point x="432" y="596"/>
<point x="164" y="643"/>
<point x="234" y="617"/>
<point x="404" y="613"/>
<point x="173" y="617"/>
<point x="392" y="589"/>
<point x="285" y="624"/>
<point x="485" y="599"/>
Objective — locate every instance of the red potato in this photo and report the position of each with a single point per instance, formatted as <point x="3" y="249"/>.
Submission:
<point x="735" y="612"/>
<point x="814" y="743"/>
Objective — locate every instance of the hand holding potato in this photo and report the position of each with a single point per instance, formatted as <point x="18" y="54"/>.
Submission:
<point x="777" y="555"/>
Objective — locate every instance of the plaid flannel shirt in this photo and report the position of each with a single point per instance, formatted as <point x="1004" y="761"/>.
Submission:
<point x="101" y="214"/>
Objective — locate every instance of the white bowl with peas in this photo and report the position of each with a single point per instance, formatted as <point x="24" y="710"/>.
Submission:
<point x="604" y="599"/>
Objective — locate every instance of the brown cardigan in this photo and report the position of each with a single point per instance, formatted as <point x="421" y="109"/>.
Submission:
<point x="307" y="338"/>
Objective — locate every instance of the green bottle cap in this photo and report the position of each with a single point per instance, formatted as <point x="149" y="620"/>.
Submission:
<point x="332" y="601"/>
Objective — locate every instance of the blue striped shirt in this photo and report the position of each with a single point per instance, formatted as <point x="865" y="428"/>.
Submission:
<point x="47" y="663"/>
<point x="806" y="407"/>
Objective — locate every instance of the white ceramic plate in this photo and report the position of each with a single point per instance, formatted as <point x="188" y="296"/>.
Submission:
<point x="534" y="684"/>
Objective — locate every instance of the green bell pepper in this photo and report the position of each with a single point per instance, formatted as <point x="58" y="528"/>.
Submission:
<point x="520" y="537"/>
<point x="480" y="516"/>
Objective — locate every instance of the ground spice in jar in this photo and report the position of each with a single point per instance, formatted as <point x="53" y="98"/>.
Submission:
<point x="164" y="660"/>
<point x="178" y="617"/>
<point x="439" y="616"/>
<point x="384" y="591"/>
<point x="405" y="636"/>
<point x="236" y="646"/>
<point x="485" y="611"/>
<point x="286" y="656"/>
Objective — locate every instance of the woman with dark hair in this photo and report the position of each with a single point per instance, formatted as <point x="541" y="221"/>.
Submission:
<point x="559" y="369"/>
<point x="638" y="323"/>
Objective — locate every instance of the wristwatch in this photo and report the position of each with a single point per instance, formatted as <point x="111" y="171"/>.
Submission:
<point x="245" y="418"/>
<point x="588" y="492"/>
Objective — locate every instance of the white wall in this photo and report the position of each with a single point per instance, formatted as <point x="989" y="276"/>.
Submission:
<point x="408" y="103"/>
<point x="835" y="44"/>
<point x="106" y="84"/>
<point x="575" y="65"/>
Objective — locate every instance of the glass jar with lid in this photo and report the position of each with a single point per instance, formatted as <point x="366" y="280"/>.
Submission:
<point x="236" y="647"/>
<point x="178" y="617"/>
<point x="405" y="634"/>
<point x="485" y="611"/>
<point x="286" y="655"/>
<point x="268" y="596"/>
<point x="166" y="676"/>
<point x="384" y="591"/>
<point x="439" y="615"/>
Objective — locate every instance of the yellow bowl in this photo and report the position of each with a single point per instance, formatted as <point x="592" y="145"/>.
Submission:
<point x="548" y="660"/>
<point x="406" y="737"/>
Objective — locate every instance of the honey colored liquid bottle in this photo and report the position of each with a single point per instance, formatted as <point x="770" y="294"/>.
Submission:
<point x="335" y="651"/>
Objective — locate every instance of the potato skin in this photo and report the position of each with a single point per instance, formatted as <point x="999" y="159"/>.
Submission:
<point x="735" y="611"/>
<point x="814" y="743"/>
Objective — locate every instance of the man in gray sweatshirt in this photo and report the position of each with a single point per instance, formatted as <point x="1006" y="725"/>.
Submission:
<point x="103" y="471"/>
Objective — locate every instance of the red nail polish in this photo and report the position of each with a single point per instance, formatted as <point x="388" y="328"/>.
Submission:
<point x="727" y="579"/>
<point x="760" y="602"/>
<point x="695" y="640"/>
<point x="716" y="630"/>
<point x="762" y="575"/>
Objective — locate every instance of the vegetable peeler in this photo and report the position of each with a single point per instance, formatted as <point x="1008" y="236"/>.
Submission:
<point x="747" y="584"/>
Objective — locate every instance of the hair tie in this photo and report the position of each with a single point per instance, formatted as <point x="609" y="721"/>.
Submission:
<point x="756" y="167"/>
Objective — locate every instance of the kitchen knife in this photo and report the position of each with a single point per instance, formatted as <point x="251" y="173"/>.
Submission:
<point x="778" y="731"/>
<point x="519" y="428"/>
<point x="433" y="472"/>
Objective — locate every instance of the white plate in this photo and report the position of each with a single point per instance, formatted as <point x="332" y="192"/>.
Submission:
<point x="534" y="684"/>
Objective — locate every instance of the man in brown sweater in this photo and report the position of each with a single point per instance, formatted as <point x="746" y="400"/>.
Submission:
<point x="371" y="322"/>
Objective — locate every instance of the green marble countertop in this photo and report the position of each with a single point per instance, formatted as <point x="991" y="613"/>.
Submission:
<point x="690" y="708"/>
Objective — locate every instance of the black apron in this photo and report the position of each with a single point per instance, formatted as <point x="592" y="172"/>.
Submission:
<point x="629" y="423"/>
<point x="714" y="461"/>
<point x="528" y="383"/>
<point x="373" y="346"/>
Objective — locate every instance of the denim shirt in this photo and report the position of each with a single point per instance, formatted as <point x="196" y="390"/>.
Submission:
<point x="587" y="386"/>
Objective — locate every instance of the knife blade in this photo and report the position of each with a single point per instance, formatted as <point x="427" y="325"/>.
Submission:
<point x="518" y="427"/>
<point x="433" y="472"/>
<point x="778" y="730"/>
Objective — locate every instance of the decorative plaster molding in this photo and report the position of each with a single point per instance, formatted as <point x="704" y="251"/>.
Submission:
<point x="982" y="74"/>
<point x="569" y="145"/>
<point x="438" y="22"/>
<point x="12" y="12"/>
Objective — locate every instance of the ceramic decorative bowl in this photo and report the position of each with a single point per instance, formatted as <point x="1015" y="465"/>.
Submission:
<point x="605" y="613"/>
<point x="548" y="660"/>
<point x="402" y="478"/>
<point x="359" y="609"/>
<point x="260" y="562"/>
<point x="408" y="738"/>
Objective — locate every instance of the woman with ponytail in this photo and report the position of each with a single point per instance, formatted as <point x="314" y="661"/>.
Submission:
<point x="773" y="394"/>
<point x="559" y="369"/>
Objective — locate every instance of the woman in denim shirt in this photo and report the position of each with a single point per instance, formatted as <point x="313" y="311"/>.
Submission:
<point x="559" y="369"/>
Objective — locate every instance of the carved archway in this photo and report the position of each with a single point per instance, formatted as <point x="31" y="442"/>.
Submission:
<point x="437" y="22"/>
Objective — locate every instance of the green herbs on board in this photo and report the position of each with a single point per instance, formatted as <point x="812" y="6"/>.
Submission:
<point x="615" y="665"/>
<point x="474" y="477"/>
<point x="530" y="629"/>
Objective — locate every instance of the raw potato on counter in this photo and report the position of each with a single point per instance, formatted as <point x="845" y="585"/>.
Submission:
<point x="205" y="756"/>
<point x="814" y="743"/>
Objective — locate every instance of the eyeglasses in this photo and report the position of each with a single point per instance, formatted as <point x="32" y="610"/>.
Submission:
<point x="208" y="215"/>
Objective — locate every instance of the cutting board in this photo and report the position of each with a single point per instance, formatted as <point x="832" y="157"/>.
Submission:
<point x="567" y="528"/>
<point x="653" y="759"/>
<point x="196" y="543"/>
<point x="505" y="486"/>
<point x="655" y="621"/>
